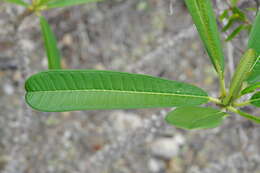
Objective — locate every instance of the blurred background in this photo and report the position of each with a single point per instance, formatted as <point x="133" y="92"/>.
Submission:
<point x="155" y="37"/>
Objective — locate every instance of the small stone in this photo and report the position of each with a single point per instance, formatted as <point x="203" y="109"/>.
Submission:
<point x="167" y="148"/>
<point x="156" y="165"/>
<point x="8" y="89"/>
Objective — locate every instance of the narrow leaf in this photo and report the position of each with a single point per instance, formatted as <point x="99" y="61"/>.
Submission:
<point x="254" y="43"/>
<point x="250" y="88"/>
<point x="66" y="3"/>
<point x="68" y="90"/>
<point x="255" y="99"/>
<point x="18" y="2"/>
<point x="205" y="21"/>
<point x="243" y="69"/>
<point x="50" y="43"/>
<point x="195" y="117"/>
<point x="235" y="32"/>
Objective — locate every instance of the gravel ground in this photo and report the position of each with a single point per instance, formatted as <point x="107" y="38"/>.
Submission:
<point x="153" y="37"/>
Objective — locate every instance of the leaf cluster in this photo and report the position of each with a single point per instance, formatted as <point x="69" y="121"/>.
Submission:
<point x="58" y="90"/>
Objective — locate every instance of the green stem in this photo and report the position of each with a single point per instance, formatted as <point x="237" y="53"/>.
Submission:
<point x="242" y="104"/>
<point x="244" y="114"/>
<point x="223" y="91"/>
<point x="214" y="100"/>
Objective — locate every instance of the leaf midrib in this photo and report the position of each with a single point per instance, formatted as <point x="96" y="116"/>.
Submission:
<point x="129" y="92"/>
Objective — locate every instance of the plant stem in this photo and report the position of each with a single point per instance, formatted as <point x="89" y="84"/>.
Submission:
<point x="242" y="104"/>
<point x="214" y="100"/>
<point x="223" y="91"/>
<point x="244" y="114"/>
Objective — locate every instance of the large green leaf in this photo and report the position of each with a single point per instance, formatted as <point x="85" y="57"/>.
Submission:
<point x="205" y="21"/>
<point x="65" y="3"/>
<point x="255" y="99"/>
<point x="19" y="2"/>
<point x="50" y="45"/>
<point x="67" y="90"/>
<point x="192" y="117"/>
<point x="254" y="43"/>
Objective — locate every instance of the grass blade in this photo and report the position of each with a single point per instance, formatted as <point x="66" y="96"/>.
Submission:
<point x="205" y="21"/>
<point x="50" y="45"/>
<point x="68" y="90"/>
<point x="66" y="3"/>
<point x="192" y="117"/>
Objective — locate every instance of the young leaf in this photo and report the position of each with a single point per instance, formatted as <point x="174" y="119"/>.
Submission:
<point x="205" y="21"/>
<point x="254" y="43"/>
<point x="255" y="99"/>
<point x="18" y="2"/>
<point x="65" y="3"/>
<point x="250" y="88"/>
<point x="192" y="117"/>
<point x="68" y="90"/>
<point x="50" y="45"/>
<point x="235" y="32"/>
<point x="243" y="69"/>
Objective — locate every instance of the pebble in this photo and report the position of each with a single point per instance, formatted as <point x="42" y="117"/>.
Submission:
<point x="167" y="148"/>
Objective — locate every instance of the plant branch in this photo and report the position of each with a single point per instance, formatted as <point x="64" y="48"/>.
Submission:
<point x="242" y="104"/>
<point x="244" y="114"/>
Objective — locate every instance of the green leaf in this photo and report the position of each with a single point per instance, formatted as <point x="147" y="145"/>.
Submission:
<point x="250" y="88"/>
<point x="224" y="15"/>
<point x="68" y="90"/>
<point x="255" y="99"/>
<point x="18" y="2"/>
<point x="241" y="14"/>
<point x="243" y="69"/>
<point x="205" y="21"/>
<point x="50" y="43"/>
<point x="235" y="32"/>
<point x="66" y="3"/>
<point x="195" y="117"/>
<point x="254" y="43"/>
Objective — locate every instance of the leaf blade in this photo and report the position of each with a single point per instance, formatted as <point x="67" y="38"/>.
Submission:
<point x="192" y="117"/>
<point x="205" y="21"/>
<point x="66" y="3"/>
<point x="254" y="43"/>
<point x="250" y="88"/>
<point x="50" y="43"/>
<point x="67" y="90"/>
<point x="255" y="99"/>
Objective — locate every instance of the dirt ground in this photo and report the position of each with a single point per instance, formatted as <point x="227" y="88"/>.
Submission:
<point x="153" y="37"/>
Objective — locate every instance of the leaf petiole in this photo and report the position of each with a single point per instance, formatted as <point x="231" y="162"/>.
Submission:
<point x="244" y="114"/>
<point x="242" y="104"/>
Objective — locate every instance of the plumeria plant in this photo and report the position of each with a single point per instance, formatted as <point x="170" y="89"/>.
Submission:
<point x="58" y="90"/>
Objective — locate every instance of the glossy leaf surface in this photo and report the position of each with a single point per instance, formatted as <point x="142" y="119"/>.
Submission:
<point x="68" y="90"/>
<point x="192" y="117"/>
<point x="255" y="99"/>
<point x="18" y="2"/>
<point x="254" y="43"/>
<point x="66" y="3"/>
<point x="50" y="43"/>
<point x="205" y="21"/>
